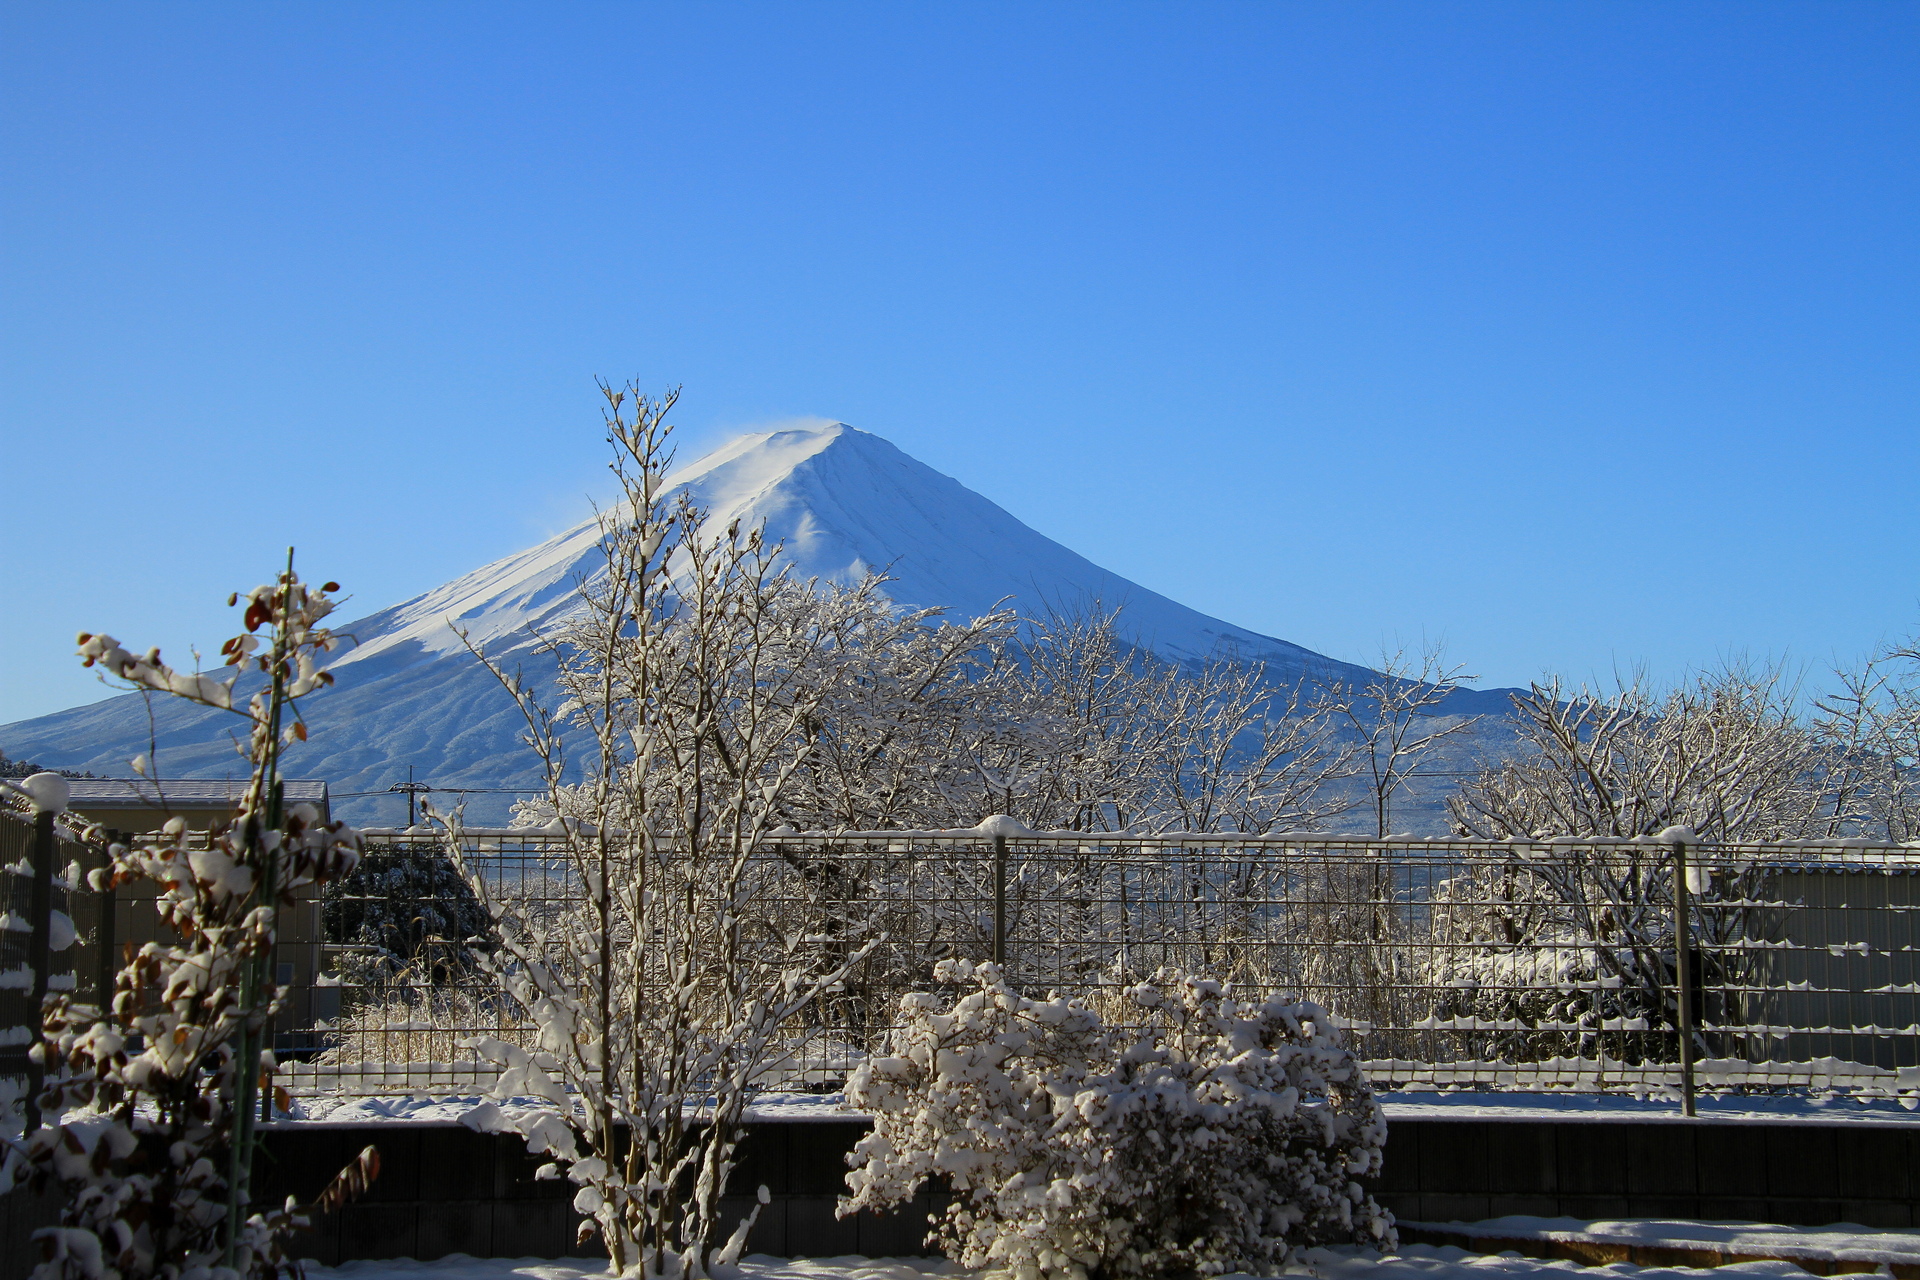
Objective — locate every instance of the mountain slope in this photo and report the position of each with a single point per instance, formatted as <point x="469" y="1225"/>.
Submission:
<point x="842" y="502"/>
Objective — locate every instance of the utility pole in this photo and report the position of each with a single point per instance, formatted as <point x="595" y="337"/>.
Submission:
<point x="414" y="790"/>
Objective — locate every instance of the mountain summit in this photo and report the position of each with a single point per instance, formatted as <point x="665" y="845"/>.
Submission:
<point x="841" y="502"/>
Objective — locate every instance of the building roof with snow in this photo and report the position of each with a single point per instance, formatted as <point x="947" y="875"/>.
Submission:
<point x="140" y="804"/>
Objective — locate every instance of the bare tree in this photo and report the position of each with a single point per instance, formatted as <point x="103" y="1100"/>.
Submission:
<point x="1058" y="721"/>
<point x="903" y="695"/>
<point x="1233" y="754"/>
<point x="1086" y="714"/>
<point x="1396" y="719"/>
<point x="1871" y="727"/>
<point x="1724" y="754"/>
<point x="692" y="680"/>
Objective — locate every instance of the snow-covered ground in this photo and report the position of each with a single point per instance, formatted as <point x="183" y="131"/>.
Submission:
<point x="826" y="1108"/>
<point x="1415" y="1262"/>
<point x="1565" y="1106"/>
<point x="753" y="1267"/>
<point x="1841" y="1241"/>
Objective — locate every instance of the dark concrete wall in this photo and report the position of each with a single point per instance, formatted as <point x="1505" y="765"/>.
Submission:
<point x="1792" y="1172"/>
<point x="445" y="1189"/>
<point x="21" y="1214"/>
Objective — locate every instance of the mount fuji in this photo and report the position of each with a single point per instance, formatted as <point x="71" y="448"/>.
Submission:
<point x="842" y="502"/>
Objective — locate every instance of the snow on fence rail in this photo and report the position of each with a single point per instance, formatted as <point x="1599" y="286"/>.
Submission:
<point x="1517" y="965"/>
<point x="38" y="862"/>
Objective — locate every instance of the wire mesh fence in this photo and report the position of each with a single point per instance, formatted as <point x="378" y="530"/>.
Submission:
<point x="1508" y="965"/>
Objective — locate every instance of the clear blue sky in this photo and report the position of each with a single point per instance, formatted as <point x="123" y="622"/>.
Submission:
<point x="1575" y="334"/>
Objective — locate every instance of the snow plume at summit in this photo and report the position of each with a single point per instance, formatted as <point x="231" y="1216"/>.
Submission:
<point x="842" y="503"/>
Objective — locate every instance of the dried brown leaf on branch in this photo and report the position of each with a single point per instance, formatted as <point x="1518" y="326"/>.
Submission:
<point x="350" y="1183"/>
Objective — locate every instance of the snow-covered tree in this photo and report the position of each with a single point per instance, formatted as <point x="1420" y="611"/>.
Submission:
<point x="898" y="700"/>
<point x="929" y="725"/>
<point x="1870" y="726"/>
<point x="691" y="681"/>
<point x="1397" y="721"/>
<point x="919" y="722"/>
<point x="27" y="768"/>
<point x="1194" y="1134"/>
<point x="1725" y="753"/>
<point x="1229" y="753"/>
<point x="1074" y="717"/>
<point x="158" y="1093"/>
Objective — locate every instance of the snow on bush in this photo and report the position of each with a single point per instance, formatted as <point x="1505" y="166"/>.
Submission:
<point x="157" y="1092"/>
<point x="1211" y="1135"/>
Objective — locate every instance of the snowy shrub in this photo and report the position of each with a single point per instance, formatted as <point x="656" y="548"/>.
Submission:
<point x="1569" y="945"/>
<point x="157" y="1094"/>
<point x="1210" y="1136"/>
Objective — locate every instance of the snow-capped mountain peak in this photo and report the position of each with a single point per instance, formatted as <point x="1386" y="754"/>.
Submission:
<point x="840" y="501"/>
<point x="510" y="599"/>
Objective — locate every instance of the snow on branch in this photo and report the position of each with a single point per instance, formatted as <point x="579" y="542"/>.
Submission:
<point x="158" y="1091"/>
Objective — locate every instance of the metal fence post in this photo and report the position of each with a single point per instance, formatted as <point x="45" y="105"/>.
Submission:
<point x="105" y="941"/>
<point x="1683" y="973"/>
<point x="39" y="947"/>
<point x="1000" y="900"/>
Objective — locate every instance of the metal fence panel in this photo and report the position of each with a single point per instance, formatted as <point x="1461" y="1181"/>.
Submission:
<point x="26" y="843"/>
<point x="1506" y="965"/>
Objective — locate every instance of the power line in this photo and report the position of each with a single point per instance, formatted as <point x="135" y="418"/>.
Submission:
<point x="422" y="788"/>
